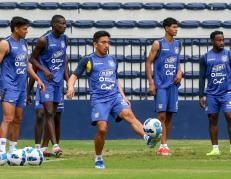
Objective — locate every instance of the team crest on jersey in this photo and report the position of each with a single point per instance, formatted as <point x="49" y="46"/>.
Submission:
<point x="176" y="50"/>
<point x="224" y="58"/>
<point x="62" y="44"/>
<point x="111" y="63"/>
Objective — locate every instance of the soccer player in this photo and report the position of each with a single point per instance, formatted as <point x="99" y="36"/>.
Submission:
<point x="107" y="96"/>
<point x="164" y="56"/>
<point x="49" y="58"/>
<point x="14" y="68"/>
<point x="215" y="66"/>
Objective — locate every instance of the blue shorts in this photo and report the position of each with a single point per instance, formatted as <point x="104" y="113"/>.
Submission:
<point x="38" y="105"/>
<point x="166" y="99"/>
<point x="16" y="98"/>
<point x="101" y="111"/>
<point x="214" y="104"/>
<point x="51" y="94"/>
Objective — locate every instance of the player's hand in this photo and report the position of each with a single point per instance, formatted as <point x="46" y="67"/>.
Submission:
<point x="152" y="89"/>
<point x="202" y="102"/>
<point x="178" y="78"/>
<point x="29" y="99"/>
<point x="48" y="74"/>
<point x="70" y="92"/>
<point x="41" y="85"/>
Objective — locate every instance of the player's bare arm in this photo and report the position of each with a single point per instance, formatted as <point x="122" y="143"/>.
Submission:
<point x="150" y="59"/>
<point x="40" y="46"/>
<point x="4" y="49"/>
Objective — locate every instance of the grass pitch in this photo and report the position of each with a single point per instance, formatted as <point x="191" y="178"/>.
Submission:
<point x="129" y="159"/>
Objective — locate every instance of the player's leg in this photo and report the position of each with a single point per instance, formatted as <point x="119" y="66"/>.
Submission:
<point x="99" y="115"/>
<point x="212" y="108"/>
<point x="39" y="125"/>
<point x="228" y="119"/>
<point x="8" y="117"/>
<point x="58" y="116"/>
<point x="15" y="129"/>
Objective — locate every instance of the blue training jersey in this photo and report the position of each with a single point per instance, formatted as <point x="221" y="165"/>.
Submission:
<point x="14" y="65"/>
<point x="102" y="76"/>
<point x="217" y="71"/>
<point x="54" y="58"/>
<point x="166" y="63"/>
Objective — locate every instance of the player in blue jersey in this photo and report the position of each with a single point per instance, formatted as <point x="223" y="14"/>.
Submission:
<point x="107" y="96"/>
<point x="14" y="69"/>
<point x="49" y="57"/>
<point x="215" y="66"/>
<point x="164" y="56"/>
<point x="40" y="127"/>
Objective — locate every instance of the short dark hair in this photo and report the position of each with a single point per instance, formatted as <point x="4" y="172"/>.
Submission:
<point x="214" y="33"/>
<point x="18" y="21"/>
<point x="169" y="21"/>
<point x="99" y="34"/>
<point x="55" y="18"/>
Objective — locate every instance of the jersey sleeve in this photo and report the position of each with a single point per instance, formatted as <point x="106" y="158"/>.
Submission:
<point x="82" y="66"/>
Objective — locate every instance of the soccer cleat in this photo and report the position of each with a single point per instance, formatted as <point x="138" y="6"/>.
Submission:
<point x="163" y="151"/>
<point x="99" y="164"/>
<point x="151" y="142"/>
<point x="46" y="153"/>
<point x="214" y="152"/>
<point x="57" y="152"/>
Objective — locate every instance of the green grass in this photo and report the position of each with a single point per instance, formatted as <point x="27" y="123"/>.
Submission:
<point x="129" y="159"/>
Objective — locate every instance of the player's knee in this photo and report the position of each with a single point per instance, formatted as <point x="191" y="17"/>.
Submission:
<point x="8" y="118"/>
<point x="127" y="114"/>
<point x="102" y="130"/>
<point x="49" y="113"/>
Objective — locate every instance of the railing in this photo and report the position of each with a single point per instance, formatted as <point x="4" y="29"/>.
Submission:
<point x="131" y="55"/>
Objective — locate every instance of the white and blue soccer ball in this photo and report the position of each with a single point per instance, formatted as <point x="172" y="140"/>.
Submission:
<point x="34" y="156"/>
<point x="3" y="158"/>
<point x="17" y="158"/>
<point x="152" y="127"/>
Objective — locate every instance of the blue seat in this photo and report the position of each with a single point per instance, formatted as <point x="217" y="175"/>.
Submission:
<point x="132" y="5"/>
<point x="191" y="75"/>
<point x="135" y="58"/>
<point x="202" y="42"/>
<point x="141" y="92"/>
<point x="111" y="5"/>
<point x="174" y="6"/>
<point x="69" y="23"/>
<point x="229" y="6"/>
<point x="81" y="91"/>
<point x="126" y="24"/>
<point x="74" y="57"/>
<point x="188" y="92"/>
<point x="118" y="57"/>
<point x="104" y="24"/>
<point x="40" y="24"/>
<point x="28" y="5"/>
<point x="226" y="24"/>
<point x="48" y="5"/>
<point x="196" y="6"/>
<point x="217" y="6"/>
<point x="90" y="5"/>
<point x="187" y="42"/>
<point x="83" y="23"/>
<point x="4" y="23"/>
<point x="153" y="5"/>
<point x="189" y="24"/>
<point x="147" y="24"/>
<point x="142" y="74"/>
<point x="184" y="58"/>
<point x="69" y="5"/>
<point x="8" y="5"/>
<point x="77" y="42"/>
<point x="210" y="24"/>
<point x="119" y="42"/>
<point x="128" y="74"/>
<point x="195" y="59"/>
<point x="128" y="91"/>
<point x="140" y="42"/>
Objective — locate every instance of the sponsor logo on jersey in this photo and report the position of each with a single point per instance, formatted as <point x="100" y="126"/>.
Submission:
<point x="106" y="73"/>
<point x="170" y="60"/>
<point x="218" y="67"/>
<point x="57" y="54"/>
<point x="21" y="57"/>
